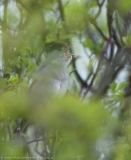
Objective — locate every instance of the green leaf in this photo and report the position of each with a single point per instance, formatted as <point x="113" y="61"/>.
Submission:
<point x="113" y="86"/>
<point x="22" y="84"/>
<point x="122" y="85"/>
<point x="14" y="78"/>
<point x="125" y="40"/>
<point x="32" y="66"/>
<point x="89" y="43"/>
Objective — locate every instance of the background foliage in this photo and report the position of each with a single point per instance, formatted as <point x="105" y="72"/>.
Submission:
<point x="93" y="120"/>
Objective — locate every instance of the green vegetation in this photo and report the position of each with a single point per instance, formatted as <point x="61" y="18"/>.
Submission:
<point x="92" y="121"/>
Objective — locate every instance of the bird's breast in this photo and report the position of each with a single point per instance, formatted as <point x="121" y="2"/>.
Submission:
<point x="60" y="72"/>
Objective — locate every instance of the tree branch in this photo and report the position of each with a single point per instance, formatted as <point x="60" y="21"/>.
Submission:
<point x="95" y="74"/>
<point x="99" y="30"/>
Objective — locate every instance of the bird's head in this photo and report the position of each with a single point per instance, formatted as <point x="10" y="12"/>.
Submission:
<point x="67" y="56"/>
<point x="62" y="56"/>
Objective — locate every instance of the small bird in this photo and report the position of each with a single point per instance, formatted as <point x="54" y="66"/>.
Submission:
<point x="51" y="79"/>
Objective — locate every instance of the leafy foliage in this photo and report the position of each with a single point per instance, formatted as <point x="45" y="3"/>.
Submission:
<point x="93" y="120"/>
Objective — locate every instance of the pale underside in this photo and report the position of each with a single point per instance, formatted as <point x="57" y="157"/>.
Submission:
<point x="49" y="82"/>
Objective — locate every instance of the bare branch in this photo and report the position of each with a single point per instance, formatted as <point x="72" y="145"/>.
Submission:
<point x="35" y="140"/>
<point x="99" y="30"/>
<point x="95" y="74"/>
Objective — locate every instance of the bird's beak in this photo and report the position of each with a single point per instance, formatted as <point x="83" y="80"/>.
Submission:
<point x="66" y="50"/>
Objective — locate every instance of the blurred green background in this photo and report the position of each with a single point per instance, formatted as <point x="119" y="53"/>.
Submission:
<point x="92" y="121"/>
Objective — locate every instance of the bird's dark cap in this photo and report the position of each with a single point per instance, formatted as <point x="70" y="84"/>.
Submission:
<point x="58" y="46"/>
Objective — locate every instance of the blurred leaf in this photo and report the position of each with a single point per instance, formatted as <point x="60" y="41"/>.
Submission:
<point x="72" y="10"/>
<point x="89" y="43"/>
<point x="14" y="78"/>
<point x="127" y="40"/>
<point x="113" y="86"/>
<point x="2" y="83"/>
<point x="97" y="48"/>
<point x="121" y="86"/>
<point x="32" y="66"/>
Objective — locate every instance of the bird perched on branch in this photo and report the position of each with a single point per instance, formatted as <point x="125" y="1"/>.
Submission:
<point x="51" y="79"/>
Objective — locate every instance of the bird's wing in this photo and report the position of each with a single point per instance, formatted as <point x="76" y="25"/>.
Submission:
<point x="37" y="74"/>
<point x="41" y="93"/>
<point x="48" y="82"/>
<point x="63" y="87"/>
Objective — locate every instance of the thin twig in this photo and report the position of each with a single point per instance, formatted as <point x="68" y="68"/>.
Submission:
<point x="100" y="31"/>
<point x="82" y="82"/>
<point x="35" y="140"/>
<point x="116" y="39"/>
<point x="40" y="154"/>
<point x="23" y="5"/>
<point x="94" y="76"/>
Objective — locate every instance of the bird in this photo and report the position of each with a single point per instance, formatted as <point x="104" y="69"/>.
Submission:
<point x="49" y="81"/>
<point x="51" y="78"/>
